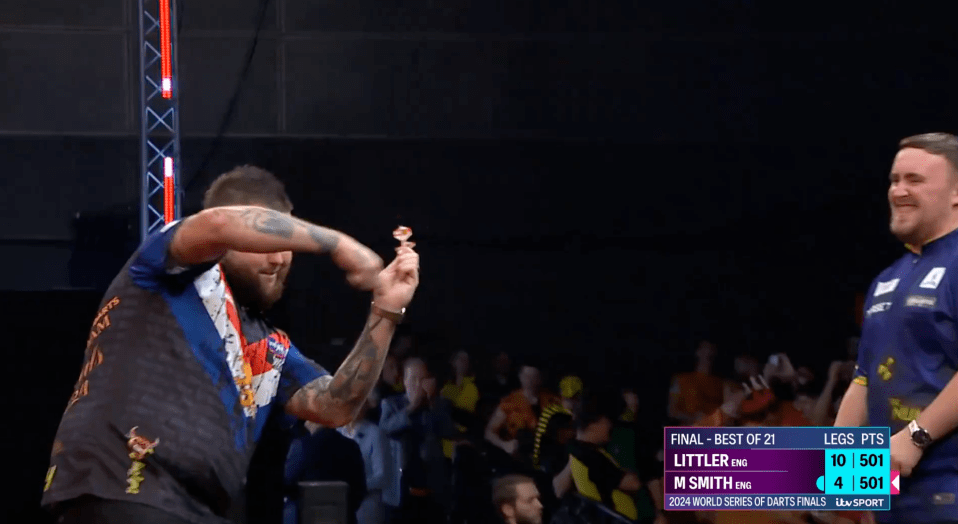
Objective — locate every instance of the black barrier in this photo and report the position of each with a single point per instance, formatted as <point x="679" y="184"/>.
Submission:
<point x="323" y="503"/>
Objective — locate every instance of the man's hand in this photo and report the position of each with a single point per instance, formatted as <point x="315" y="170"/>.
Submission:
<point x="398" y="282"/>
<point x="904" y="453"/>
<point x="511" y="446"/>
<point x="416" y="398"/>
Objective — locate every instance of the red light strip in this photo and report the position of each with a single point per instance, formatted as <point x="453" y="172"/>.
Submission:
<point x="169" y="196"/>
<point x="166" y="55"/>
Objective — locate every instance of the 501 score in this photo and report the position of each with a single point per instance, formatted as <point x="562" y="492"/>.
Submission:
<point x="864" y="483"/>
<point x="865" y="460"/>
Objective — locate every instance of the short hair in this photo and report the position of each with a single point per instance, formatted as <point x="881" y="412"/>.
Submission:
<point x="504" y="489"/>
<point x="428" y="364"/>
<point x="530" y="361"/>
<point x="596" y="405"/>
<point x="942" y="144"/>
<point x="248" y="185"/>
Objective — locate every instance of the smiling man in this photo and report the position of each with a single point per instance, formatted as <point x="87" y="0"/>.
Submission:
<point x="182" y="368"/>
<point x="908" y="353"/>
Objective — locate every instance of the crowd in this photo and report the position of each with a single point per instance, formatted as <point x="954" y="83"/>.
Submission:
<point x="436" y="436"/>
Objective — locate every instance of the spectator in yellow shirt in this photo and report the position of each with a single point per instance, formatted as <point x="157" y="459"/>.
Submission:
<point x="464" y="395"/>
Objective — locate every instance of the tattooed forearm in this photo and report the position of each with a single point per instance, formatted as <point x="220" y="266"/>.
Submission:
<point x="326" y="239"/>
<point x="268" y="222"/>
<point x="283" y="226"/>
<point x="335" y="400"/>
<point x="358" y="373"/>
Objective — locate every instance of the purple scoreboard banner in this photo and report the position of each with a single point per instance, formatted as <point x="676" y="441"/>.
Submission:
<point x="801" y="468"/>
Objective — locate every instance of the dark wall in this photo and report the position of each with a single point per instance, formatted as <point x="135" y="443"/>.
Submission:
<point x="600" y="237"/>
<point x="688" y="72"/>
<point x="552" y="227"/>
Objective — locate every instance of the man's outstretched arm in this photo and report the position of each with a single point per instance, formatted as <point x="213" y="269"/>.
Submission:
<point x="209" y="234"/>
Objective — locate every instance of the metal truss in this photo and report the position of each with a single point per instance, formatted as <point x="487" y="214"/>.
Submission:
<point x="159" y="120"/>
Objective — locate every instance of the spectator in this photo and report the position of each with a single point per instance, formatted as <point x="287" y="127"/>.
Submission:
<point x="696" y="394"/>
<point x="596" y="474"/>
<point x="516" y="499"/>
<point x="554" y="431"/>
<point x="322" y="454"/>
<point x="635" y="445"/>
<point x="377" y="460"/>
<point x="570" y="388"/>
<point x="745" y="366"/>
<point x="518" y="413"/>
<point x="464" y="396"/>
<point x="390" y="383"/>
<point x="416" y="422"/>
<point x="502" y="381"/>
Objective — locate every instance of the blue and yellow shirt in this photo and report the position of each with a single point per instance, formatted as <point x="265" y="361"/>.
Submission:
<point x="908" y="353"/>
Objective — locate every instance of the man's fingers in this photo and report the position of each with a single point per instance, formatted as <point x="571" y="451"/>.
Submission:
<point x="409" y="264"/>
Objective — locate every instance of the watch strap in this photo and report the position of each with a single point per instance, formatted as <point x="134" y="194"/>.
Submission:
<point x="395" y="317"/>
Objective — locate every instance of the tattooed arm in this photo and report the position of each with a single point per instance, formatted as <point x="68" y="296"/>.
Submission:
<point x="334" y="401"/>
<point x="209" y="234"/>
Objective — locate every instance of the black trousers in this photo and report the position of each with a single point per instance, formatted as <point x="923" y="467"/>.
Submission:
<point x="94" y="510"/>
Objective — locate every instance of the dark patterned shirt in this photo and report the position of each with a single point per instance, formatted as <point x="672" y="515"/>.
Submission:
<point x="174" y="393"/>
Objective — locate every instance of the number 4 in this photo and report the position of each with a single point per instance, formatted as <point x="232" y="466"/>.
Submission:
<point x="838" y="483"/>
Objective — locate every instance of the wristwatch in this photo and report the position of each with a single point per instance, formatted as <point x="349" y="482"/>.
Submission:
<point x="394" y="316"/>
<point x="919" y="436"/>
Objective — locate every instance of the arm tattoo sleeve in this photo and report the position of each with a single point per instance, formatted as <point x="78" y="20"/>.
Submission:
<point x="336" y="399"/>
<point x="326" y="240"/>
<point x="268" y="222"/>
<point x="274" y="223"/>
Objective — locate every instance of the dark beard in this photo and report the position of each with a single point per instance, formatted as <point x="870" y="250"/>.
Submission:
<point x="247" y="293"/>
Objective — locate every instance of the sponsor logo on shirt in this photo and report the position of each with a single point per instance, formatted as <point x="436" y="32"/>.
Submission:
<point x="933" y="278"/>
<point x="878" y="308"/>
<point x="903" y="412"/>
<point x="886" y="287"/>
<point x="50" y="473"/>
<point x="884" y="370"/>
<point x="278" y="348"/>
<point x="921" y="301"/>
<point x="139" y="448"/>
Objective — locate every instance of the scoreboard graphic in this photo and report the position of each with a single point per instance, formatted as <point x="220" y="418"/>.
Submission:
<point x="797" y="468"/>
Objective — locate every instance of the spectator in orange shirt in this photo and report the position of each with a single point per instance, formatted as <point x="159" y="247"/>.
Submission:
<point x="515" y="419"/>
